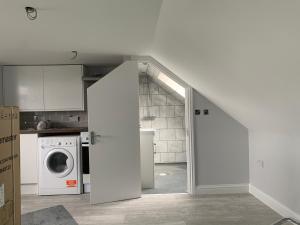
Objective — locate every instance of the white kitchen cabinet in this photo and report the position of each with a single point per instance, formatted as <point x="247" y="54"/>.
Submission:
<point x="43" y="88"/>
<point x="63" y="87"/>
<point x="23" y="87"/>
<point x="28" y="158"/>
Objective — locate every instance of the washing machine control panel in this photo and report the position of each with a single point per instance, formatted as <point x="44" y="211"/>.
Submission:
<point x="62" y="142"/>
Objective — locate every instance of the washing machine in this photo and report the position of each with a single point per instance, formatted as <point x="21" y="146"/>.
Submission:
<point x="59" y="165"/>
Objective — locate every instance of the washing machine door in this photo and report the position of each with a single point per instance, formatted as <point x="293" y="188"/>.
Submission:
<point x="59" y="162"/>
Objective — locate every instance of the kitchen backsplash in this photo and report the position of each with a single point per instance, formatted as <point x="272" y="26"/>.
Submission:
<point x="168" y="121"/>
<point x="58" y="119"/>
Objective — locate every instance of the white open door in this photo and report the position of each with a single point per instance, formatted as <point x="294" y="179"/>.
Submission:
<point x="113" y="117"/>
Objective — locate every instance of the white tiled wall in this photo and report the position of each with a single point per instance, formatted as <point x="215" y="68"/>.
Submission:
<point x="169" y="123"/>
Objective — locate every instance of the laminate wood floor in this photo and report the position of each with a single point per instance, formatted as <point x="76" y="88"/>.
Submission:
<point x="167" y="209"/>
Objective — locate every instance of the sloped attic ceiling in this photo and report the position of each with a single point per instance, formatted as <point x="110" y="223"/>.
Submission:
<point x="100" y="30"/>
<point x="243" y="55"/>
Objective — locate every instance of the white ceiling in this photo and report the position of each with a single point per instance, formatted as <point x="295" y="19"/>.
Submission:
<point x="244" y="55"/>
<point x="102" y="31"/>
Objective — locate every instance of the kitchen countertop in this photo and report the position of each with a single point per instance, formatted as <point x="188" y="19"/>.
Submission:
<point x="65" y="130"/>
<point x="55" y="130"/>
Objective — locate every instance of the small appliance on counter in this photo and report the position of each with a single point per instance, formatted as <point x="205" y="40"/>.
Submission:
<point x="43" y="124"/>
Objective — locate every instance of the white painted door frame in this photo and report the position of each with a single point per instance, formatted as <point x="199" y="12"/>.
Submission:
<point x="189" y="118"/>
<point x="190" y="150"/>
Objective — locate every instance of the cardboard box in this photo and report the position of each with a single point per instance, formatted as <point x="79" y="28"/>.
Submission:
<point x="10" y="198"/>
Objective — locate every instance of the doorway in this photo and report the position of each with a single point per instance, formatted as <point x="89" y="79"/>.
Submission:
<point x="163" y="109"/>
<point x="118" y="139"/>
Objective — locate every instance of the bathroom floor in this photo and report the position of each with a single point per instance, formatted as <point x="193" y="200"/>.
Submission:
<point x="169" y="178"/>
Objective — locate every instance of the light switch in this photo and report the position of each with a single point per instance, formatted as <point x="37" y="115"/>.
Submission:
<point x="197" y="111"/>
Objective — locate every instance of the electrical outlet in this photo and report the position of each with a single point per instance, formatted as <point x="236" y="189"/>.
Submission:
<point x="74" y="118"/>
<point x="205" y="111"/>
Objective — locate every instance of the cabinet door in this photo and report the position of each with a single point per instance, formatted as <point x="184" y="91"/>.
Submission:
<point x="63" y="88"/>
<point x="28" y="158"/>
<point x="23" y="87"/>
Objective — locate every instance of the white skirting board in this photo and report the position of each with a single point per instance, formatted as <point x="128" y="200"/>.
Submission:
<point x="273" y="203"/>
<point x="29" y="189"/>
<point x="222" y="189"/>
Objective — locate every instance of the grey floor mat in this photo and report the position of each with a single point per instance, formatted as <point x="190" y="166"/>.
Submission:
<point x="56" y="215"/>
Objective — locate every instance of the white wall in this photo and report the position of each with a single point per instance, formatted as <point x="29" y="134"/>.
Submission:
<point x="221" y="146"/>
<point x="278" y="176"/>
<point x="243" y="55"/>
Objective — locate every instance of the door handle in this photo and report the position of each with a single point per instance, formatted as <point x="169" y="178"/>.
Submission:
<point x="93" y="137"/>
<point x="154" y="148"/>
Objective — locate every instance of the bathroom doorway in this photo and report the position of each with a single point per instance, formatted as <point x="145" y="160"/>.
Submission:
<point x="163" y="109"/>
